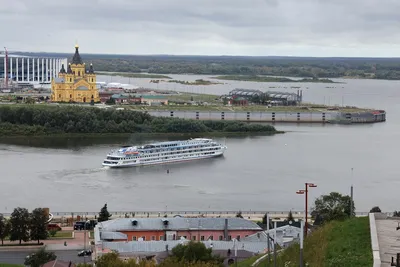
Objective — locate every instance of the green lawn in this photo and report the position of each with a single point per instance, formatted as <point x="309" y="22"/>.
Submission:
<point x="346" y="244"/>
<point x="63" y="234"/>
<point x="10" y="265"/>
<point x="248" y="262"/>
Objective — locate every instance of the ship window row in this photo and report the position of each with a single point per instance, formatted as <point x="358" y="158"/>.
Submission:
<point x="177" y="157"/>
<point x="179" y="153"/>
<point x="178" y="149"/>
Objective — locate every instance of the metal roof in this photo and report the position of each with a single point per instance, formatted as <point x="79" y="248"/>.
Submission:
<point x="113" y="235"/>
<point x="245" y="92"/>
<point x="178" y="224"/>
<point x="58" y="80"/>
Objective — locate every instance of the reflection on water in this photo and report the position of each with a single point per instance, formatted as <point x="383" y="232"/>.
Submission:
<point x="79" y="142"/>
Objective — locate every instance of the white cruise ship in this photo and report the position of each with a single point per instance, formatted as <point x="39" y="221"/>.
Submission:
<point x="164" y="152"/>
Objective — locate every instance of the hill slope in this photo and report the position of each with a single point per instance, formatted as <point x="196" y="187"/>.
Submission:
<point x="337" y="244"/>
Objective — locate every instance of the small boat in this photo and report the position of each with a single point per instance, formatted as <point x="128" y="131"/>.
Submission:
<point x="164" y="152"/>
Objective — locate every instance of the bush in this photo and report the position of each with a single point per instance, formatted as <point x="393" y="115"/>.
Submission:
<point x="375" y="209"/>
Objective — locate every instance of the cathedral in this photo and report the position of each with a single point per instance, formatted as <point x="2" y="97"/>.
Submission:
<point x="77" y="84"/>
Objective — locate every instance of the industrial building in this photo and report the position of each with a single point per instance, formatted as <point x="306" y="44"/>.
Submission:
<point x="21" y="69"/>
<point x="274" y="97"/>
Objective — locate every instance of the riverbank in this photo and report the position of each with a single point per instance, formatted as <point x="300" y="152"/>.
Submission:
<point x="270" y="79"/>
<point x="134" y="75"/>
<point x="37" y="120"/>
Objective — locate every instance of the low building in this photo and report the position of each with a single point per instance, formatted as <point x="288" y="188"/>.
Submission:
<point x="285" y="235"/>
<point x="156" y="237"/>
<point x="154" y="100"/>
<point x="157" y="229"/>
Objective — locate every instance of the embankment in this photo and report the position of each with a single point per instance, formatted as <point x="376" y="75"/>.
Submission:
<point x="278" y="116"/>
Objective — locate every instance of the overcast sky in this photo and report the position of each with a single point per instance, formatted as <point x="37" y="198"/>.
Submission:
<point x="368" y="28"/>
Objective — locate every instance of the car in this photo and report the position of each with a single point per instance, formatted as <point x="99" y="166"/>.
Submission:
<point x="84" y="253"/>
<point x="53" y="226"/>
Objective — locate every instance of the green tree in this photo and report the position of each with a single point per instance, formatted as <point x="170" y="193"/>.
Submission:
<point x="239" y="214"/>
<point x="39" y="258"/>
<point x="334" y="206"/>
<point x="104" y="215"/>
<point x="375" y="209"/>
<point x="38" y="226"/>
<point x="194" y="252"/>
<point x="19" y="225"/>
<point x="4" y="228"/>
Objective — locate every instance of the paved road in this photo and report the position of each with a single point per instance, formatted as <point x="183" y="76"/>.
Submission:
<point x="18" y="257"/>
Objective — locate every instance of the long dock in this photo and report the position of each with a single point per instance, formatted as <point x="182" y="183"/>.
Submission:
<point x="322" y="116"/>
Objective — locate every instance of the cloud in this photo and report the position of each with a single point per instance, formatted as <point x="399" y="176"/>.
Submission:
<point x="242" y="27"/>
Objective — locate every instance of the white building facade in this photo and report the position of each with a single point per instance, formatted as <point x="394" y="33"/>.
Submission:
<point x="31" y="70"/>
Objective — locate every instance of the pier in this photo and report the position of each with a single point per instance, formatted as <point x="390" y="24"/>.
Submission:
<point x="328" y="116"/>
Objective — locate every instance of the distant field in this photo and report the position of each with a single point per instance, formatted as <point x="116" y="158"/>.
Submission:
<point x="135" y="75"/>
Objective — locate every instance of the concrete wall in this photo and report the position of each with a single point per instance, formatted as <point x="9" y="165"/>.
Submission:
<point x="374" y="241"/>
<point x="264" y="116"/>
<point x="269" y="116"/>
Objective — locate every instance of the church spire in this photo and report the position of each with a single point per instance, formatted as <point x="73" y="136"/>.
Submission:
<point x="77" y="60"/>
<point x="62" y="70"/>
<point x="91" y="71"/>
<point x="69" y="71"/>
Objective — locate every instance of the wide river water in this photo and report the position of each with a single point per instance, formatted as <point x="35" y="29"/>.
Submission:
<point x="256" y="173"/>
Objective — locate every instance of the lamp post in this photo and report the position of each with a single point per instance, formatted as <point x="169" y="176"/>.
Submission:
<point x="305" y="192"/>
<point x="84" y="240"/>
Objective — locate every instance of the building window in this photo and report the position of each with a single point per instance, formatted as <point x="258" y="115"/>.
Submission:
<point x="221" y="238"/>
<point x="211" y="237"/>
<point x="144" y="238"/>
<point x="202" y="238"/>
<point x="59" y="95"/>
<point x="70" y="96"/>
<point x="161" y="237"/>
<point x="153" y="238"/>
<point x="194" y="238"/>
<point x="238" y="238"/>
<point x="92" y="96"/>
<point x="134" y="238"/>
<point x="79" y="73"/>
<point x="229" y="237"/>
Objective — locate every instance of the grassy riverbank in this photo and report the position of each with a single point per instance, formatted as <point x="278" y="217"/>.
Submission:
<point x="266" y="79"/>
<point x="134" y="75"/>
<point x="345" y="243"/>
<point x="36" y="120"/>
<point x="196" y="82"/>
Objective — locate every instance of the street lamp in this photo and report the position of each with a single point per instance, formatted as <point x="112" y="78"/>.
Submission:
<point x="84" y="240"/>
<point x="305" y="192"/>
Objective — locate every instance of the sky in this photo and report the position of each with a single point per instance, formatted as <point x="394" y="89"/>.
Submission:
<point x="330" y="28"/>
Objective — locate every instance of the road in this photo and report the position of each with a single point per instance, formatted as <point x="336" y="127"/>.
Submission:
<point x="18" y="257"/>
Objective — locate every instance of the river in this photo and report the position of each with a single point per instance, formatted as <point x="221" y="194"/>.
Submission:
<point x="256" y="173"/>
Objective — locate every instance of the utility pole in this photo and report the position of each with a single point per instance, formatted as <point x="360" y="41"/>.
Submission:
<point x="351" y="195"/>
<point x="274" y="243"/>
<point x="269" y="247"/>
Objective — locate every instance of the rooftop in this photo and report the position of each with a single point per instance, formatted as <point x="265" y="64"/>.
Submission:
<point x="178" y="223"/>
<point x="153" y="97"/>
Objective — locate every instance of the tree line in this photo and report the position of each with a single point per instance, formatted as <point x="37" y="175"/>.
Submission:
<point x="381" y="68"/>
<point x="42" y="120"/>
<point x="192" y="254"/>
<point x="24" y="226"/>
